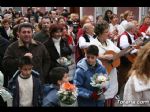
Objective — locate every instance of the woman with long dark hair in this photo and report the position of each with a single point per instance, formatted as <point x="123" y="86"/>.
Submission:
<point x="107" y="15"/>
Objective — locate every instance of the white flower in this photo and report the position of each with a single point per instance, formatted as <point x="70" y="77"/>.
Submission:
<point x="101" y="78"/>
<point x="99" y="81"/>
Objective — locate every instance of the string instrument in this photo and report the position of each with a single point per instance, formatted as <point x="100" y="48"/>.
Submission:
<point x="137" y="45"/>
<point x="115" y="62"/>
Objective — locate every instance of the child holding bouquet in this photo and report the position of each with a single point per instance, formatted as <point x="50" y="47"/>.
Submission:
<point x="88" y="69"/>
<point x="56" y="78"/>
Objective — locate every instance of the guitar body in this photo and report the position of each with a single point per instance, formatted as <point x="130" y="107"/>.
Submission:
<point x="131" y="57"/>
<point x="109" y="65"/>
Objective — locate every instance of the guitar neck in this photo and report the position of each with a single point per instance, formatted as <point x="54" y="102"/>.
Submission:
<point x="138" y="42"/>
<point x="123" y="52"/>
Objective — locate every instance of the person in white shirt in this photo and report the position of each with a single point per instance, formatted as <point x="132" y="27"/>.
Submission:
<point x="89" y="34"/>
<point x="104" y="44"/>
<point x="115" y="29"/>
<point x="124" y="41"/>
<point x="127" y="38"/>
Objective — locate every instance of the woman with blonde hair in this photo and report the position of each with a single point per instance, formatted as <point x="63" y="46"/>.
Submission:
<point x="128" y="17"/>
<point x="137" y="88"/>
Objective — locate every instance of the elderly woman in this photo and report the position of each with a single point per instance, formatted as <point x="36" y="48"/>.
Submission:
<point x="104" y="44"/>
<point x="58" y="48"/>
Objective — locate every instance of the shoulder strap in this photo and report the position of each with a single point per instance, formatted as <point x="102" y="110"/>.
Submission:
<point x="86" y="38"/>
<point x="129" y="39"/>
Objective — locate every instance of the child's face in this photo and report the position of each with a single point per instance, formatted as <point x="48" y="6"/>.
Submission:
<point x="91" y="59"/>
<point x="26" y="70"/>
<point x="64" y="79"/>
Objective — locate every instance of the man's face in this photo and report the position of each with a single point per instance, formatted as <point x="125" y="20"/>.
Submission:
<point x="147" y="21"/>
<point x="46" y="24"/>
<point x="25" y="34"/>
<point x="54" y="14"/>
<point x="6" y="25"/>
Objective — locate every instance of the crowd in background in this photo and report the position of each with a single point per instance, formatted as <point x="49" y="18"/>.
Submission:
<point x="62" y="39"/>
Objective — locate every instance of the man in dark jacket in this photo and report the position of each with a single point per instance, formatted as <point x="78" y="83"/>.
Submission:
<point x="3" y="46"/>
<point x="43" y="35"/>
<point x="26" y="46"/>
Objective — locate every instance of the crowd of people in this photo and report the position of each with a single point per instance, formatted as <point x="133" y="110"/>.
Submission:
<point x="41" y="51"/>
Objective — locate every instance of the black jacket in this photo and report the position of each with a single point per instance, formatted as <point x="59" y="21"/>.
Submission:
<point x="3" y="46"/>
<point x="3" y="33"/>
<point x="13" y="86"/>
<point x="40" y="58"/>
<point x="41" y="36"/>
<point x="65" y="50"/>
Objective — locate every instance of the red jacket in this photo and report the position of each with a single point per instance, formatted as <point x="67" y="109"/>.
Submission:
<point x="143" y="28"/>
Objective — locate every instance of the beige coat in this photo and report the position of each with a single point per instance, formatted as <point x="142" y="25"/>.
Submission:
<point x="136" y="93"/>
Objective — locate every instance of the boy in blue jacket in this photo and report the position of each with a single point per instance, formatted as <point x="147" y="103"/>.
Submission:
<point x="56" y="78"/>
<point x="86" y="68"/>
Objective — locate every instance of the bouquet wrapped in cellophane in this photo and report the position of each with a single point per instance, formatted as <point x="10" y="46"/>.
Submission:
<point x="68" y="95"/>
<point x="100" y="82"/>
<point x="65" y="61"/>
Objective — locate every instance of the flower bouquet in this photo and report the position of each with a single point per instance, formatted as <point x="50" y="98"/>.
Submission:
<point x="64" y="61"/>
<point x="100" y="82"/>
<point x="68" y="95"/>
